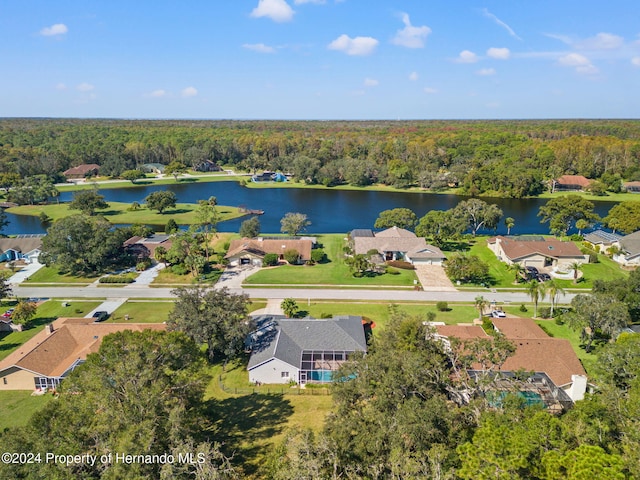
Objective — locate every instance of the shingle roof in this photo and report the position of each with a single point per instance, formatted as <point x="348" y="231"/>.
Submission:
<point x="600" y="236"/>
<point x="81" y="169"/>
<point x="573" y="180"/>
<point x="631" y="244"/>
<point x="24" y="245"/>
<point x="395" y="232"/>
<point x="277" y="246"/>
<point x="549" y="247"/>
<point x="286" y="338"/>
<point x="361" y="232"/>
<point x="52" y="354"/>
<point x="396" y="240"/>
<point x="512" y="328"/>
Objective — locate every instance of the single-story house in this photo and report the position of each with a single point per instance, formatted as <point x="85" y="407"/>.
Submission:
<point x="145" y="247"/>
<point x="570" y="182"/>
<point x="535" y="352"/>
<point x="601" y="241"/>
<point x="24" y="247"/>
<point x="539" y="252"/>
<point x="307" y="350"/>
<point x="396" y="244"/>
<point x="207" y="166"/>
<point x="629" y="249"/>
<point x="47" y="358"/>
<point x="156" y="168"/>
<point x="631" y="187"/>
<point x="251" y="251"/>
<point x="269" y="177"/>
<point x="82" y="171"/>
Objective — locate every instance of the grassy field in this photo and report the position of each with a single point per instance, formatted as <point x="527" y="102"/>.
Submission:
<point x="53" y="275"/>
<point x="118" y="212"/>
<point x="106" y="183"/>
<point x="332" y="272"/>
<point x="17" y="407"/>
<point x="47" y="312"/>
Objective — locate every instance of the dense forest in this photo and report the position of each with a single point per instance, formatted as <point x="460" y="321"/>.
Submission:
<point x="504" y="158"/>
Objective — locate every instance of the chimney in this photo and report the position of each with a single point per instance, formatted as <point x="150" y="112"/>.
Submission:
<point x="49" y="328"/>
<point x="578" y="387"/>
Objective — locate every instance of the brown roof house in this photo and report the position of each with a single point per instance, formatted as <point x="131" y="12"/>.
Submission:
<point x="145" y="247"/>
<point x="251" y="251"/>
<point x="570" y="183"/>
<point x="396" y="244"/>
<point x="539" y="252"/>
<point x="632" y="187"/>
<point x="47" y="358"/>
<point x="82" y="171"/>
<point x="535" y="352"/>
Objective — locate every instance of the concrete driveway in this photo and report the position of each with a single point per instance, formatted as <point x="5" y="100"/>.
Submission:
<point x="25" y="272"/>
<point x="233" y="277"/>
<point x="434" y="279"/>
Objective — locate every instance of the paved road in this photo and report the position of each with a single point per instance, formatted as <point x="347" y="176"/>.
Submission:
<point x="314" y="294"/>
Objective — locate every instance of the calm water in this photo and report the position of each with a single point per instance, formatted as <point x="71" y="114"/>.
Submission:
<point x="330" y="211"/>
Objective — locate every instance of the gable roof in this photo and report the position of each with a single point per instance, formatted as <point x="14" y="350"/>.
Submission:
<point x="395" y="232"/>
<point x="573" y="180"/>
<point x="82" y="169"/>
<point x="51" y="354"/>
<point x="602" y="237"/>
<point x="516" y="327"/>
<point x="286" y="338"/>
<point x="395" y="239"/>
<point x="630" y="244"/>
<point x="21" y="244"/>
<point x="516" y="249"/>
<point x="261" y="246"/>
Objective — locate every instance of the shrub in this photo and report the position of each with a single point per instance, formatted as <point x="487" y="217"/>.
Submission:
<point x="226" y="246"/>
<point x="559" y="321"/>
<point x="143" y="264"/>
<point x="576" y="238"/>
<point x="544" y="312"/>
<point x="373" y="251"/>
<point x="270" y="259"/>
<point x="292" y="256"/>
<point x="318" y="255"/>
<point x="400" y="264"/>
<point x="523" y="308"/>
<point x="442" y="306"/>
<point x="179" y="269"/>
<point x="116" y="279"/>
<point x="391" y="271"/>
<point x="325" y="315"/>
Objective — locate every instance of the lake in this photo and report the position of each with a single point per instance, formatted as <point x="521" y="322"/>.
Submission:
<point x="330" y="211"/>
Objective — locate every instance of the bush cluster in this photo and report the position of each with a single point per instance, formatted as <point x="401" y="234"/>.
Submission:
<point x="116" y="279"/>
<point x="401" y="264"/>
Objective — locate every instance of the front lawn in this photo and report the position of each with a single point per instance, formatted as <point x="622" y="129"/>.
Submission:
<point x="46" y="313"/>
<point x="53" y="275"/>
<point x="332" y="272"/>
<point x="17" y="407"/>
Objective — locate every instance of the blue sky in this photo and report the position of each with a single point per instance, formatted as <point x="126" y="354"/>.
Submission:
<point x="315" y="59"/>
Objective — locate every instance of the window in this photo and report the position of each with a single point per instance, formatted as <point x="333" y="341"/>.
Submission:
<point x="284" y="374"/>
<point x="4" y="380"/>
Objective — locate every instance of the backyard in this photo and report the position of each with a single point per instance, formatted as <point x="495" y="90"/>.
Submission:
<point x="334" y="271"/>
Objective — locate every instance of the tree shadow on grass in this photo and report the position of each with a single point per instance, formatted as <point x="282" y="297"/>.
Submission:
<point x="242" y="422"/>
<point x="187" y="180"/>
<point x="176" y="211"/>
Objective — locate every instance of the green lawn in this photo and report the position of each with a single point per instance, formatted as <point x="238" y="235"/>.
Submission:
<point x="47" y="312"/>
<point x="53" y="275"/>
<point x="196" y="177"/>
<point x="155" y="311"/>
<point x="563" y="331"/>
<point x="118" y="212"/>
<point x="502" y="277"/>
<point x="332" y="272"/>
<point x="17" y="407"/>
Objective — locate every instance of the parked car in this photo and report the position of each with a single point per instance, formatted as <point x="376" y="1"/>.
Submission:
<point x="100" y="316"/>
<point x="543" y="277"/>
<point x="498" y="314"/>
<point x="532" y="270"/>
<point x="8" y="313"/>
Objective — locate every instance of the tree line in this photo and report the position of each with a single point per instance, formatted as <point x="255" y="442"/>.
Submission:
<point x="506" y="158"/>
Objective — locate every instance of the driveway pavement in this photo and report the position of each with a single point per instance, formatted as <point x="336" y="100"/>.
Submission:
<point x="108" y="306"/>
<point x="25" y="272"/>
<point x="233" y="277"/>
<point x="273" y="308"/>
<point x="147" y="276"/>
<point x="434" y="278"/>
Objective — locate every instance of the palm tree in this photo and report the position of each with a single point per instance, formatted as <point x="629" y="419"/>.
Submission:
<point x="553" y="289"/>
<point x="289" y="307"/>
<point x="535" y="289"/>
<point x="518" y="270"/>
<point x="480" y="303"/>
<point x="575" y="266"/>
<point x="509" y="223"/>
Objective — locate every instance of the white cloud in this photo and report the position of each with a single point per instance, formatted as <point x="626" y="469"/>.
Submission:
<point x="486" y="71"/>
<point x="85" y="87"/>
<point x="499" y="53"/>
<point x="490" y="15"/>
<point x="467" y="57"/>
<point x="158" y="93"/>
<point x="413" y="76"/>
<point x="61" y="86"/>
<point x="635" y="61"/>
<point x="430" y="90"/>
<point x="56" y="29"/>
<point x="259" y="47"/>
<point x="354" y="46"/>
<point x="602" y="41"/>
<point x="581" y="63"/>
<point x="276" y="10"/>
<point x="410" y="36"/>
<point x="189" y="92"/>
<point x="371" y="82"/>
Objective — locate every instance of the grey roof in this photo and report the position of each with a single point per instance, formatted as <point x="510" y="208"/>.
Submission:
<point x="600" y="236"/>
<point x="395" y="232"/>
<point x="286" y="338"/>
<point x="361" y="232"/>
<point x="22" y="244"/>
<point x="631" y="244"/>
